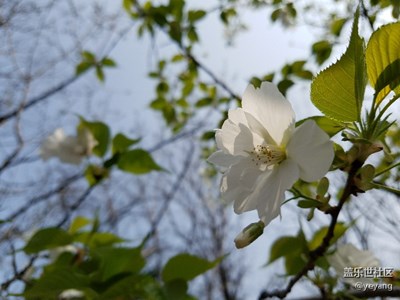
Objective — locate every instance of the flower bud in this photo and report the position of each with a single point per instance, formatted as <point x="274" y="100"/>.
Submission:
<point x="249" y="234"/>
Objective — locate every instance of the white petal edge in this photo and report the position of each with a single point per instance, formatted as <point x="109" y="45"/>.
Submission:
<point x="222" y="159"/>
<point x="235" y="139"/>
<point x="269" y="192"/>
<point x="312" y="150"/>
<point x="240" y="180"/>
<point x="270" y="108"/>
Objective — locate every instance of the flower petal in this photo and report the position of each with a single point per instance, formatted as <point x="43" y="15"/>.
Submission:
<point x="269" y="191"/>
<point x="312" y="150"/>
<point x="270" y="108"/>
<point x="222" y="159"/>
<point x="237" y="116"/>
<point x="240" y="180"/>
<point x="257" y="128"/>
<point x="235" y="137"/>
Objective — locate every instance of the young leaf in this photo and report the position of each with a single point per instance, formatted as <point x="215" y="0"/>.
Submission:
<point x="101" y="133"/>
<point x="118" y="260"/>
<point x="137" y="161"/>
<point x="94" y="174"/>
<point x="195" y="15"/>
<point x="331" y="127"/>
<point x="78" y="223"/>
<point x="185" y="266"/>
<point x="318" y="237"/>
<point x="121" y="143"/>
<point x="322" y="50"/>
<point x="97" y="239"/>
<point x="47" y="238"/>
<point x="100" y="73"/>
<point x="285" y="246"/>
<point x="294" y="264"/>
<point x="338" y="91"/>
<point x="383" y="60"/>
<point x="83" y="67"/>
<point x="106" y="61"/>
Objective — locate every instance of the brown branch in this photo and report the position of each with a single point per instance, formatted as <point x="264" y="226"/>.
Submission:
<point x="42" y="197"/>
<point x="20" y="143"/>
<point x="171" y="193"/>
<point x="38" y="99"/>
<point x="18" y="275"/>
<point x="349" y="189"/>
<point x="73" y="207"/>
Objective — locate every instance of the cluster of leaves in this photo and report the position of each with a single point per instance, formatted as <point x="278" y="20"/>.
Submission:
<point x="99" y="267"/>
<point x="297" y="257"/>
<point x="132" y="160"/>
<point x="89" y="61"/>
<point x="178" y="97"/>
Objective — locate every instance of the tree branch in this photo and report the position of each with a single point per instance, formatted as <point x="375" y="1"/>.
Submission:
<point x="349" y="189"/>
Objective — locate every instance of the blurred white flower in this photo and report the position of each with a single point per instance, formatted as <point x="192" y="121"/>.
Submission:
<point x="264" y="154"/>
<point x="348" y="262"/>
<point x="56" y="252"/>
<point x="68" y="149"/>
<point x="71" y="294"/>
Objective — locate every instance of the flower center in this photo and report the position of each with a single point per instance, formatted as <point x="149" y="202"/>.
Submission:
<point x="267" y="155"/>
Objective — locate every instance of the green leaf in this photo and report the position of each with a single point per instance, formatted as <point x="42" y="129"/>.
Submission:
<point x="331" y="127"/>
<point x="322" y="50"/>
<point x="383" y="60"/>
<point x="308" y="203"/>
<point x="121" y="143"/>
<point x="83" y="67"/>
<point x="114" y="261"/>
<point x="88" y="56"/>
<point x="186" y="267"/>
<point x="175" y="31"/>
<point x="294" y="264"/>
<point x="284" y="85"/>
<point x="137" y="161"/>
<point x="176" y="289"/>
<point x="318" y="237"/>
<point x="158" y="104"/>
<point x="95" y="174"/>
<point x="97" y="239"/>
<point x="78" y="223"/>
<point x="338" y="91"/>
<point x="100" y="73"/>
<point x="101" y="133"/>
<point x="47" y="238"/>
<point x="286" y="246"/>
<point x="204" y="102"/>
<point x="195" y="15"/>
<point x="133" y="287"/>
<point x="54" y="282"/>
<point x="108" y="62"/>
<point x="256" y="82"/>
<point x="208" y="135"/>
<point x="337" y="26"/>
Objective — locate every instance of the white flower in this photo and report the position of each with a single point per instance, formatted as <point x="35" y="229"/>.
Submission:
<point x="347" y="258"/>
<point x="68" y="149"/>
<point x="71" y="294"/>
<point x="56" y="252"/>
<point x="264" y="154"/>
